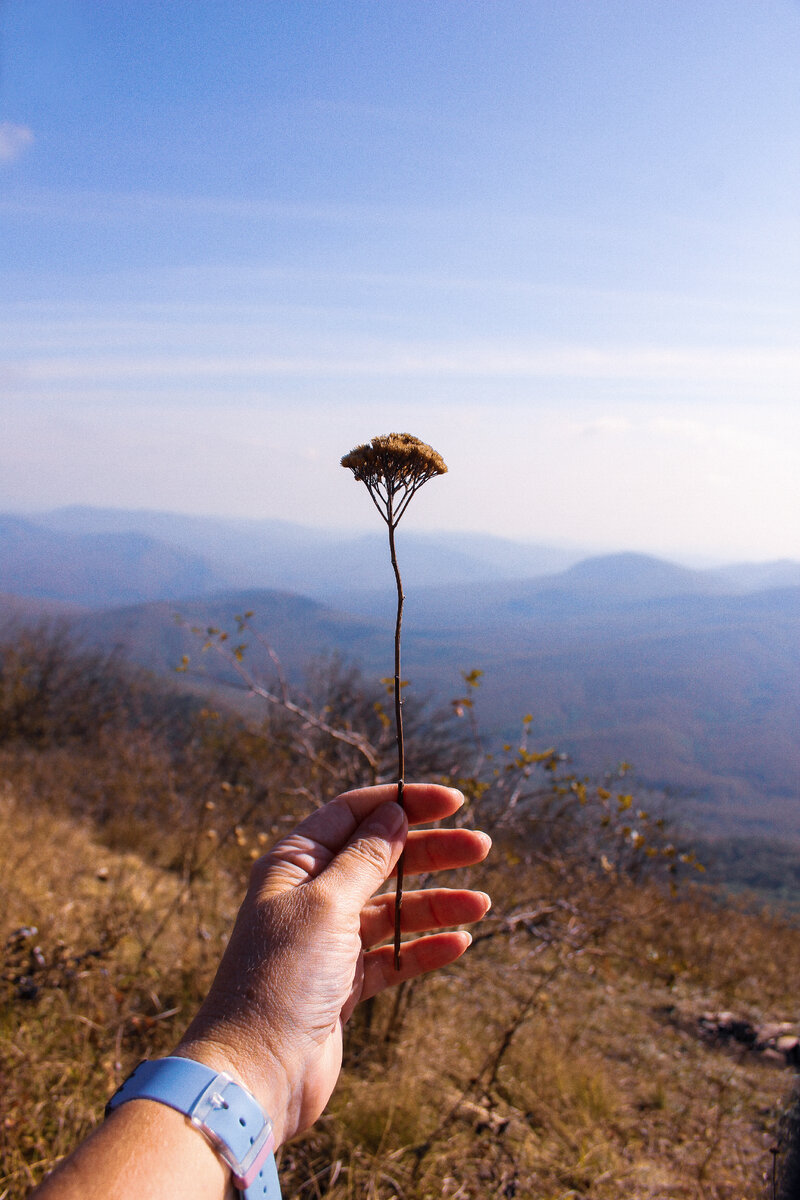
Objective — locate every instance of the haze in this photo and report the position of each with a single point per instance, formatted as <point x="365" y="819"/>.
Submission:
<point x="559" y="241"/>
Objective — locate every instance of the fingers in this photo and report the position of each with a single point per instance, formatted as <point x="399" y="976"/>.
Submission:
<point x="417" y="957"/>
<point x="335" y="823"/>
<point x="365" y="864"/>
<point x="433" y="908"/>
<point x="423" y="802"/>
<point x="444" y="849"/>
<point x="309" y="849"/>
<point x="367" y="861"/>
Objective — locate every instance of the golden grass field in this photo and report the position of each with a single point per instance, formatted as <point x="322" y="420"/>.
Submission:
<point x="561" y="1058"/>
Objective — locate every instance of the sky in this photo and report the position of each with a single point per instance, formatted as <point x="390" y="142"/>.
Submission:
<point x="559" y="240"/>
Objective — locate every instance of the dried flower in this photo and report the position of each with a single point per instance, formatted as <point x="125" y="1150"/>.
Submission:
<point x="393" y="468"/>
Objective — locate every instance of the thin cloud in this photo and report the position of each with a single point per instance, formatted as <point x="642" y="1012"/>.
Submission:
<point x="604" y="427"/>
<point x="87" y="207"/>
<point x="633" y="363"/>
<point x="14" y="141"/>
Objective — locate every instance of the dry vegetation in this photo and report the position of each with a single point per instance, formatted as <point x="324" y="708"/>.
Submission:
<point x="560" y="1059"/>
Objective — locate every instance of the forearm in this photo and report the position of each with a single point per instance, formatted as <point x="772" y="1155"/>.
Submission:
<point x="148" y="1148"/>
<point x="143" y="1151"/>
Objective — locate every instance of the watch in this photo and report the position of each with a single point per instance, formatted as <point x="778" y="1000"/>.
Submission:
<point x="221" y="1109"/>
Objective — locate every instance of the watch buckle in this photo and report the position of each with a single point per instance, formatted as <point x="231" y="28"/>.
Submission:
<point x="211" y="1100"/>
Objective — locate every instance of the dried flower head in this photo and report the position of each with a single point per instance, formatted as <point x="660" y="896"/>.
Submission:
<point x="393" y="468"/>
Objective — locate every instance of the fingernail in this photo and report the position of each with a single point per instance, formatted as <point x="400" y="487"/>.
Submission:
<point x="487" y="898"/>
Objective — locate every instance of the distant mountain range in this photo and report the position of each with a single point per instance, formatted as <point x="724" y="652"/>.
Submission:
<point x="190" y="555"/>
<point x="694" y="676"/>
<point x="96" y="568"/>
<point x="98" y="557"/>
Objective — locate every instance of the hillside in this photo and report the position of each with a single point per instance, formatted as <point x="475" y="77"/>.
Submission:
<point x="337" y="567"/>
<point x="694" y="675"/>
<point x="702" y="694"/>
<point x="299" y="629"/>
<point x="94" y="568"/>
<point x="317" y="562"/>
<point x="614" y="1031"/>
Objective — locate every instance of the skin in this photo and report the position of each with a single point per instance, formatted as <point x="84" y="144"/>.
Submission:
<point x="307" y="946"/>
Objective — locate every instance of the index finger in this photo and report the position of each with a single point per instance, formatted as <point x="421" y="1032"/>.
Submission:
<point x="423" y="802"/>
<point x="334" y="824"/>
<point x="306" y="851"/>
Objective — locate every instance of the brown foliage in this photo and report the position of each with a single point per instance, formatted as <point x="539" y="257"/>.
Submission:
<point x="559" y="1059"/>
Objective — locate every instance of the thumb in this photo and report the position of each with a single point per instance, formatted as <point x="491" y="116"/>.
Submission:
<point x="367" y="860"/>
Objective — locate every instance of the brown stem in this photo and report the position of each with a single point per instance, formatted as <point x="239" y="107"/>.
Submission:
<point x="398" y="721"/>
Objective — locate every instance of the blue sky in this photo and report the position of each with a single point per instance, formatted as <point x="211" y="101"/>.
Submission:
<point x="558" y="240"/>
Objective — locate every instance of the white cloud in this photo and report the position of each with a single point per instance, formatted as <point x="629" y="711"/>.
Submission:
<point x="604" y="426"/>
<point x="743" y="370"/>
<point x="14" y="141"/>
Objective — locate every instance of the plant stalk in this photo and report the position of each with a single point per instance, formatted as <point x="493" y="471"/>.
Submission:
<point x="398" y="722"/>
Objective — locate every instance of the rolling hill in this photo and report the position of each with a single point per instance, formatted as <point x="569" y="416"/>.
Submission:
<point x="321" y="563"/>
<point x="95" y="568"/>
<point x="701" y="693"/>
<point x="694" y="675"/>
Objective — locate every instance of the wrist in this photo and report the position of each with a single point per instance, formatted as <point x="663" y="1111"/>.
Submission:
<point x="261" y="1074"/>
<point x="227" y="1115"/>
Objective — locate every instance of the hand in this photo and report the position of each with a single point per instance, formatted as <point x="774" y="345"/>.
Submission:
<point x="301" y="954"/>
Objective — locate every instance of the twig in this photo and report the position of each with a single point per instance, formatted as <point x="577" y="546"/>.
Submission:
<point x="398" y="721"/>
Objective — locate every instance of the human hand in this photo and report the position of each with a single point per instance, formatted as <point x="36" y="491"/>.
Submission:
<point x="301" y="954"/>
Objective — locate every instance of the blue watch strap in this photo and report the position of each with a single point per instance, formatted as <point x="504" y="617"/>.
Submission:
<point x="221" y="1109"/>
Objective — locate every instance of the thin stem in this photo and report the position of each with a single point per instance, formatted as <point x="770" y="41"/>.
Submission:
<point x="377" y="499"/>
<point x="398" y="721"/>
<point x="409" y="490"/>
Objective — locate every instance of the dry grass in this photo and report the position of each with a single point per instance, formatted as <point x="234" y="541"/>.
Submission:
<point x="548" y="1066"/>
<point x="117" y="952"/>
<point x="560" y="1059"/>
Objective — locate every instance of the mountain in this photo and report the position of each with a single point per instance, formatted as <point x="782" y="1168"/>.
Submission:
<point x="757" y="577"/>
<point x="630" y="577"/>
<point x="159" y="634"/>
<point x="701" y="693"/>
<point x="325" y="564"/>
<point x="694" y="675"/>
<point x="352" y="570"/>
<point x="30" y="610"/>
<point x="94" y="568"/>
<point x="600" y="585"/>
